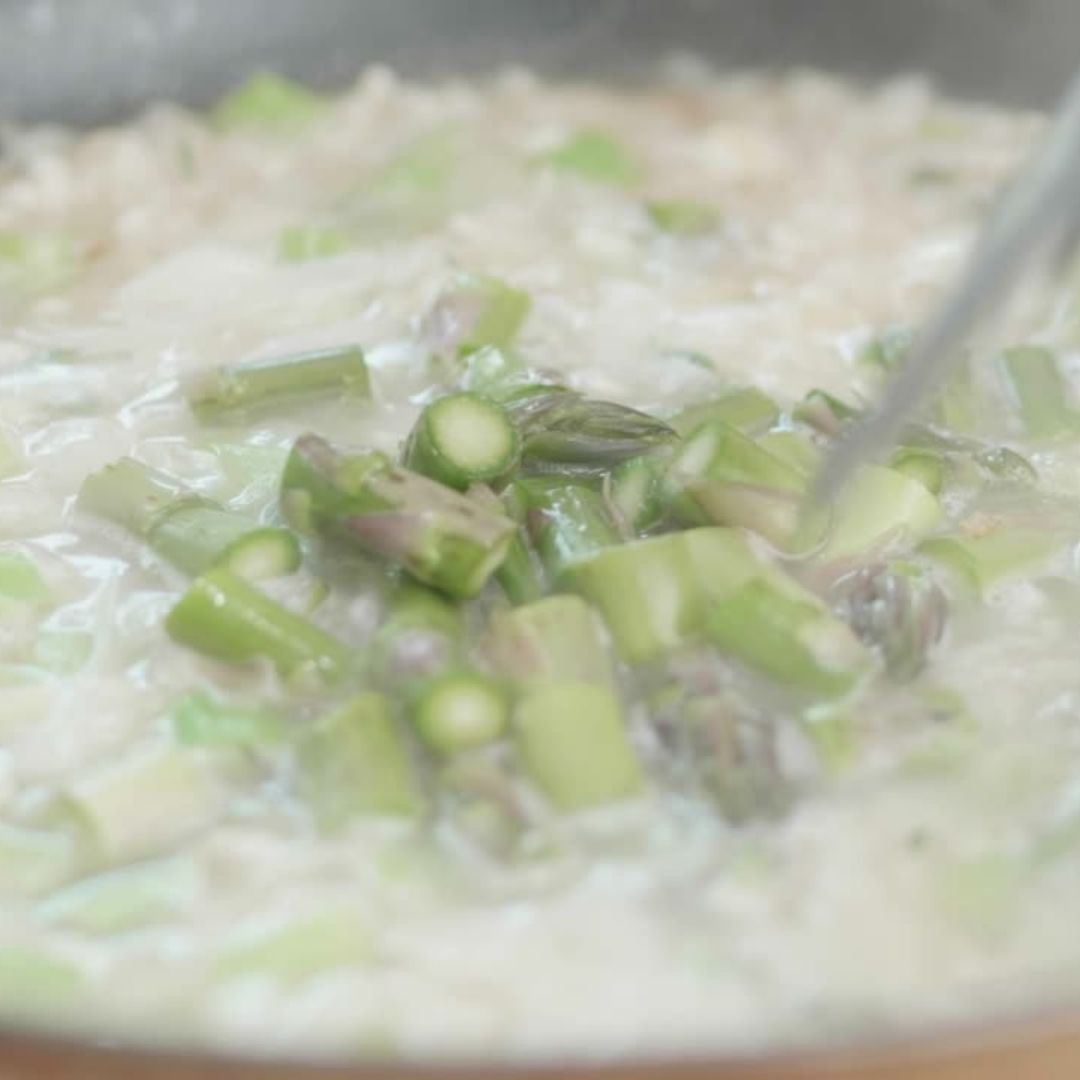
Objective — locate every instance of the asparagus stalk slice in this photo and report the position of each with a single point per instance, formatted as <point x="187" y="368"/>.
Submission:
<point x="142" y="805"/>
<point x="354" y="762"/>
<point x="422" y="636"/>
<point x="189" y="531"/>
<point x="438" y="535"/>
<point x="880" y="506"/>
<point x="636" y="493"/>
<point x="574" y="745"/>
<point x="463" y="439"/>
<point x="720" y="476"/>
<point x="21" y="583"/>
<point x="597" y="156"/>
<point x="683" y="217"/>
<point x="748" y="409"/>
<point x="790" y="638"/>
<point x="554" y="639"/>
<point x="898" y="609"/>
<point x="238" y="388"/>
<point x="927" y="466"/>
<point x="567" y="522"/>
<point x="1040" y="392"/>
<point x="224" y="617"/>
<point x="980" y="561"/>
<point x="520" y="574"/>
<point x="460" y="710"/>
<point x="477" y="312"/>
<point x="563" y="432"/>
<point x="200" y="720"/>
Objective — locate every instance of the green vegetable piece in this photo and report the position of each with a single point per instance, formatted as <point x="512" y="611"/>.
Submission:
<point x="596" y="156"/>
<point x="268" y="102"/>
<point x="354" y="762"/>
<point x="889" y="349"/>
<point x="226" y="618"/>
<point x="33" y="861"/>
<point x="36" y="262"/>
<point x="143" y="804"/>
<point x="557" y="639"/>
<point x="567" y="522"/>
<point x="306" y="946"/>
<point x="636" y="492"/>
<point x="278" y="382"/>
<point x="1040" y="392"/>
<point x="422" y="636"/>
<point x="460" y="710"/>
<point x="122" y="900"/>
<point x="463" y="439"/>
<point x="825" y="412"/>
<point x="198" y="719"/>
<point x="683" y="217"/>
<point x="880" y="506"/>
<point x="34" y="982"/>
<point x="792" y="639"/>
<point x="574" y="745"/>
<point x="720" y="476"/>
<point x="21" y="583"/>
<point x="490" y="369"/>
<point x="134" y="495"/>
<point x="982" y="561"/>
<point x="831" y="727"/>
<point x="748" y="409"/>
<point x="302" y="243"/>
<point x="927" y="466"/>
<point x="438" y="535"/>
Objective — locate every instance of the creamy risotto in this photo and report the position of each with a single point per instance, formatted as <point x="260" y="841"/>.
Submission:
<point x="410" y="642"/>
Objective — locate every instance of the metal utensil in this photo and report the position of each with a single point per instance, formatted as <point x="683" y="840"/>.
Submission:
<point x="1037" y="220"/>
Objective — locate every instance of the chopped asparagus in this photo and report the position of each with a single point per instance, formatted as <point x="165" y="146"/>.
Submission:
<point x="567" y="522"/>
<point x="438" y="535"/>
<point x="224" y="392"/>
<point x="189" y="531"/>
<point x="423" y="635"/>
<point x="224" y="617"/>
<point x="596" y="156"/>
<point x="34" y="982"/>
<point x="748" y="409"/>
<point x="927" y="466"/>
<point x="1040" y="392"/>
<point x="21" y="583"/>
<point x="355" y="762"/>
<point x="463" y="439"/>
<point x="520" y="575"/>
<point x="477" y="312"/>
<point x="574" y="745"/>
<point x="558" y="638"/>
<point x="198" y="719"/>
<point x="460" y="710"/>
<point x="635" y="491"/>
<point x="981" y="560"/>
<point x="794" y="449"/>
<point x="683" y="217"/>
<point x="825" y="412"/>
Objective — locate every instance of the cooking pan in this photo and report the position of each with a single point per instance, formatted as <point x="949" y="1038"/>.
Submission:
<point x="87" y="62"/>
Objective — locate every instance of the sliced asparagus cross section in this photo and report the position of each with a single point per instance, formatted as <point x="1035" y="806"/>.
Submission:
<point x="237" y="388"/>
<point x="460" y="710"/>
<point x="463" y="439"/>
<point x="568" y="522"/>
<point x="438" y="535"/>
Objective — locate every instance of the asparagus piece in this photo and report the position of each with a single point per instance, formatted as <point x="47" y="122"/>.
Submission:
<point x="683" y="217"/>
<point x="722" y="477"/>
<point x="825" y="413"/>
<point x="238" y="388"/>
<point x="563" y="432"/>
<point x="422" y="635"/>
<point x="554" y="639"/>
<point x="1040" y="392"/>
<point x="21" y="583"/>
<point x="567" y="522"/>
<point x="792" y="448"/>
<point x="142" y="805"/>
<point x="790" y="638"/>
<point x="520" y="574"/>
<point x="300" y="243"/>
<point x="35" y="982"/>
<point x="635" y="491"/>
<point x="438" y="535"/>
<point x="880" y="506"/>
<point x="200" y="720"/>
<point x="268" y="102"/>
<point x="224" y="617"/>
<point x="748" y="409"/>
<point x="597" y="156"/>
<point x="897" y="609"/>
<point x="299" y="948"/>
<point x="574" y="745"/>
<point x="460" y="710"/>
<point x="926" y="466"/>
<point x="463" y="439"/>
<point x="354" y="762"/>
<point x="476" y="312"/>
<point x="189" y="531"/>
<point x="981" y="560"/>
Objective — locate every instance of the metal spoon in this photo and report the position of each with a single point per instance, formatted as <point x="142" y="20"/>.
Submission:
<point x="1037" y="219"/>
